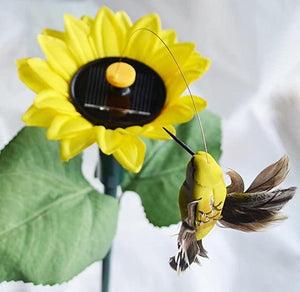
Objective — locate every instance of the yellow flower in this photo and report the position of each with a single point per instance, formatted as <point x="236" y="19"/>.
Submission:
<point x="86" y="40"/>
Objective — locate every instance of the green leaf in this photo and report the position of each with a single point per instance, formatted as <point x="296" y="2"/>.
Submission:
<point x="53" y="224"/>
<point x="163" y="172"/>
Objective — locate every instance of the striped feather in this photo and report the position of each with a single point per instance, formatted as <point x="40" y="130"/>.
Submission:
<point x="257" y="207"/>
<point x="271" y="176"/>
<point x="254" y="211"/>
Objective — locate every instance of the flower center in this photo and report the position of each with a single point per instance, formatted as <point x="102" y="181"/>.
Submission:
<point x="118" y="94"/>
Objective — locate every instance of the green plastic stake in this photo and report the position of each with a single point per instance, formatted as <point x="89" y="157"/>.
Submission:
<point x="111" y="174"/>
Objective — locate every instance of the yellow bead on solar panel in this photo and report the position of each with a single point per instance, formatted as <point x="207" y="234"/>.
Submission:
<point x="120" y="74"/>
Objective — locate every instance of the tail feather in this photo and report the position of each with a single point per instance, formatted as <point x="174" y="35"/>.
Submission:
<point x="202" y="252"/>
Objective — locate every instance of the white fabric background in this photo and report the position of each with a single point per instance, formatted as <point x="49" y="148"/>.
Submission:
<point x="253" y="84"/>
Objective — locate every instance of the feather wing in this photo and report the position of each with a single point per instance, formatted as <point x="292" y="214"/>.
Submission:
<point x="237" y="183"/>
<point x="271" y="176"/>
<point x="254" y="211"/>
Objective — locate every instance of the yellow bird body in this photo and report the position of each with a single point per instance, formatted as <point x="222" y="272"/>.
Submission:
<point x="201" y="200"/>
<point x="205" y="184"/>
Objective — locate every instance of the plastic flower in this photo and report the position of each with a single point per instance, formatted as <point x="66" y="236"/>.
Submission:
<point x="86" y="40"/>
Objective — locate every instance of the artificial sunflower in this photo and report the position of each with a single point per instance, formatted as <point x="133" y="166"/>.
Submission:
<point x="68" y="81"/>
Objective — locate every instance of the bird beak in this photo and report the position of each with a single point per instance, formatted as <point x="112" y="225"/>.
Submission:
<point x="185" y="147"/>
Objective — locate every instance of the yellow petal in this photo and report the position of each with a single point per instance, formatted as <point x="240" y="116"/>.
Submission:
<point x="49" y="93"/>
<point x="107" y="33"/>
<point x="70" y="147"/>
<point x="55" y="101"/>
<point x="54" y="33"/>
<point x="37" y="117"/>
<point x="77" y="40"/>
<point x="54" y="130"/>
<point x="194" y="67"/>
<point x="169" y="36"/>
<point x="197" y="63"/>
<point x="131" y="154"/>
<point x="176" y="86"/>
<point x="133" y="130"/>
<point x="37" y="75"/>
<point x="158" y="133"/>
<point x="58" y="56"/>
<point x="88" y="20"/>
<point x="180" y="111"/>
<point x="90" y="23"/>
<point x="124" y="20"/>
<point x="108" y="140"/>
<point x="64" y="126"/>
<point x="143" y="44"/>
<point x="28" y="76"/>
<point x="164" y="64"/>
<point x="189" y="103"/>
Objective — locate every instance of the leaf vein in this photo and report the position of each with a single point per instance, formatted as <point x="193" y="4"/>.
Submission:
<point x="44" y="211"/>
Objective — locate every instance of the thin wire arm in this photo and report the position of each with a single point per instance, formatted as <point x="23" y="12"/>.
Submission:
<point x="185" y="147"/>
<point x="182" y="74"/>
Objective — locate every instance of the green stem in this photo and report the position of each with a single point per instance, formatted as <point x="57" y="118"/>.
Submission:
<point x="111" y="175"/>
